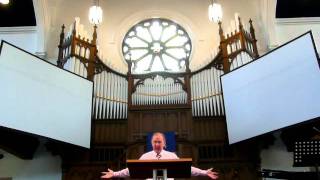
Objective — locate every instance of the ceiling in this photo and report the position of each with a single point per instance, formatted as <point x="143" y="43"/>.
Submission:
<point x="297" y="8"/>
<point x="17" y="13"/>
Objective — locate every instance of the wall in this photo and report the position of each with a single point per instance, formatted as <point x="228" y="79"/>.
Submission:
<point x="280" y="31"/>
<point x="31" y="38"/>
<point x="43" y="166"/>
<point x="286" y="30"/>
<point x="23" y="37"/>
<point x="27" y="38"/>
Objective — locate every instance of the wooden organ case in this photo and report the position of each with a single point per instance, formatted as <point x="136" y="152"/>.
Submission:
<point x="126" y="108"/>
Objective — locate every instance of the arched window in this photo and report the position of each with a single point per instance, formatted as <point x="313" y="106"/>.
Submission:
<point x="157" y="45"/>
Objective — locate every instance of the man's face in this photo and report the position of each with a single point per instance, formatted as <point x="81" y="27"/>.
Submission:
<point x="157" y="143"/>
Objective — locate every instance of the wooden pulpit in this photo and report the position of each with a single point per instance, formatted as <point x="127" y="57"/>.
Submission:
<point x="164" y="168"/>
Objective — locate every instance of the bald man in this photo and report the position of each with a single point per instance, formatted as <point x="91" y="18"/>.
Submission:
<point x="158" y="142"/>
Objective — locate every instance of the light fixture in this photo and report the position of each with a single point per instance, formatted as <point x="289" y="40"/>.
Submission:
<point x="95" y="13"/>
<point x="4" y="1"/>
<point x="215" y="11"/>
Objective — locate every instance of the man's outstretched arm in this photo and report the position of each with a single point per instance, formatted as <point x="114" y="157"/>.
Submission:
<point x="118" y="174"/>
<point x="199" y="172"/>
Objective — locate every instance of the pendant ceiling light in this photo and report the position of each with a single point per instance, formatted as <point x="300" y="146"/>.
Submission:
<point x="95" y="13"/>
<point x="215" y="11"/>
<point x="4" y="1"/>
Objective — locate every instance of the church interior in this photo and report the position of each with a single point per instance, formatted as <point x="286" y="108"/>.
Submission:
<point x="155" y="66"/>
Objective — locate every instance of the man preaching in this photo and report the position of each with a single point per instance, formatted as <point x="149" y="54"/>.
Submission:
<point x="158" y="142"/>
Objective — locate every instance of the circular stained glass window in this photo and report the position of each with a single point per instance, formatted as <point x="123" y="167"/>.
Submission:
<point x="157" y="45"/>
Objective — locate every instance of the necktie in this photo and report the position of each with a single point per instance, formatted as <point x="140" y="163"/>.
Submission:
<point x="158" y="156"/>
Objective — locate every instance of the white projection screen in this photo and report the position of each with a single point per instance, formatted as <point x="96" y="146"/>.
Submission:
<point x="280" y="89"/>
<point x="40" y="98"/>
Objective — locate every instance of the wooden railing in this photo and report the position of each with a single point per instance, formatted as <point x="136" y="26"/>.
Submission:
<point x="76" y="53"/>
<point x="238" y="47"/>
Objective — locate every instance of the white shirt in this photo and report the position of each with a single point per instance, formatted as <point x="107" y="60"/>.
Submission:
<point x="163" y="155"/>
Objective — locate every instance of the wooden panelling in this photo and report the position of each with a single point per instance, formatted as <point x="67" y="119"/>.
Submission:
<point x="135" y="151"/>
<point x="186" y="151"/>
<point x="209" y="129"/>
<point x="110" y="131"/>
<point x="142" y="122"/>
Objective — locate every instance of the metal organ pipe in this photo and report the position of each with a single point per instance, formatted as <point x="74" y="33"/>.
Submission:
<point x="110" y="96"/>
<point x="159" y="91"/>
<point x="206" y="93"/>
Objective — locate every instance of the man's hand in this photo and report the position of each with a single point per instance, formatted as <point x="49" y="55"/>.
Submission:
<point x="107" y="175"/>
<point x="212" y="174"/>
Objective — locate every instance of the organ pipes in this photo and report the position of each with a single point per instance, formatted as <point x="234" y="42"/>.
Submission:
<point x="206" y="94"/>
<point x="159" y="91"/>
<point x="110" y="96"/>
